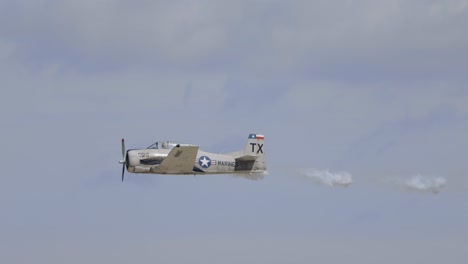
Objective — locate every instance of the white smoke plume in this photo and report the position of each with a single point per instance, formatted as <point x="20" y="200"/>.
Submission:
<point x="252" y="176"/>
<point x="328" y="178"/>
<point x="424" y="184"/>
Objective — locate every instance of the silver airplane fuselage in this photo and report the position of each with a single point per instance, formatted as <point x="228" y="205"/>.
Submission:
<point x="184" y="159"/>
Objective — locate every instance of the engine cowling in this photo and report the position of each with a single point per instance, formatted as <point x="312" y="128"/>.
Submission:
<point x="141" y="161"/>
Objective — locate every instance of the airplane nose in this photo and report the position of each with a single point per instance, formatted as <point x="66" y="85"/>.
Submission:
<point x="132" y="159"/>
<point x="126" y="160"/>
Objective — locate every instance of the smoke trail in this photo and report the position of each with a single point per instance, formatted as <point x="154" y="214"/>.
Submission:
<point x="252" y="176"/>
<point x="424" y="184"/>
<point x="328" y="178"/>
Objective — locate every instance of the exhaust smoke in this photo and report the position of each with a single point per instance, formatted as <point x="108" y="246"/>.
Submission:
<point x="424" y="184"/>
<point x="327" y="177"/>
<point x="252" y="176"/>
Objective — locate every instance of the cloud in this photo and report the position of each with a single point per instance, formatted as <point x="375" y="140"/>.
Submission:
<point x="139" y="32"/>
<point x="359" y="126"/>
<point x="355" y="85"/>
<point x="302" y="38"/>
<point x="280" y="60"/>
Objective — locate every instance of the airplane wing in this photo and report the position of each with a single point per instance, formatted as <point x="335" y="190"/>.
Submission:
<point x="180" y="160"/>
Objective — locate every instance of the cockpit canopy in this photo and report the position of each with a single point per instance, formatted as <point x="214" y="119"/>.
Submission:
<point x="163" y="145"/>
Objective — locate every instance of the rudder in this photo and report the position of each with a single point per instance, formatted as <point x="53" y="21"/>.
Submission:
<point x="256" y="147"/>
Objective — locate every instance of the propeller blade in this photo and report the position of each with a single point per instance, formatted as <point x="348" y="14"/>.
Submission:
<point x="123" y="149"/>
<point x="123" y="161"/>
<point x="123" y="171"/>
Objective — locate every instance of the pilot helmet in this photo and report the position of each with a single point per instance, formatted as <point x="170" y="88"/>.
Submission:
<point x="164" y="145"/>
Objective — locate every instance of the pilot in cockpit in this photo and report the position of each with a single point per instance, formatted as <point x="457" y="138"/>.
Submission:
<point x="164" y="146"/>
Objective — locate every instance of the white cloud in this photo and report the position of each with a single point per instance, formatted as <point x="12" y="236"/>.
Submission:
<point x="54" y="91"/>
<point x="410" y="126"/>
<point x="346" y="85"/>
<point x="397" y="38"/>
<point x="376" y="101"/>
<point x="171" y="32"/>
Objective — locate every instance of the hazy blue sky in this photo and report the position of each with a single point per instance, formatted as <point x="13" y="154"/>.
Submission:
<point x="375" y="89"/>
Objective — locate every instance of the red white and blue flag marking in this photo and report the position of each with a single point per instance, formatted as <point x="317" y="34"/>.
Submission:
<point x="256" y="136"/>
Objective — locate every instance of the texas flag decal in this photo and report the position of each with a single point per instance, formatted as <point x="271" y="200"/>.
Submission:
<point x="255" y="136"/>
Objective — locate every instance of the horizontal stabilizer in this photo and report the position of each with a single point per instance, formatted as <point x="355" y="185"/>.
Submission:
<point x="247" y="158"/>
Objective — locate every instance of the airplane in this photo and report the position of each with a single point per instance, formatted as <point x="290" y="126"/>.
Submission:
<point x="166" y="157"/>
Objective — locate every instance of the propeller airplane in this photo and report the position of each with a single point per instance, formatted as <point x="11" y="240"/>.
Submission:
<point x="166" y="157"/>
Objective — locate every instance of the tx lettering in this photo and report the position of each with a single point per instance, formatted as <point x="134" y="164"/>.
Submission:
<point x="260" y="146"/>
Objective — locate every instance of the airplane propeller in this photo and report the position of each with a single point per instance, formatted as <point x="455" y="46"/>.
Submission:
<point x="123" y="161"/>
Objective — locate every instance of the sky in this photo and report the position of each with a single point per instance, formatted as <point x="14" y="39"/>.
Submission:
<point x="363" y="104"/>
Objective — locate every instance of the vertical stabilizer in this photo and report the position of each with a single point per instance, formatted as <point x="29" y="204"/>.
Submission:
<point x="256" y="147"/>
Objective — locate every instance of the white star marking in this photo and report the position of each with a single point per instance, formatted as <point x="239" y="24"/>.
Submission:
<point x="204" y="162"/>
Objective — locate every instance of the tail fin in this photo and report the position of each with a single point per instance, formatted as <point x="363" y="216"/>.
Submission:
<point x="254" y="151"/>
<point x="254" y="146"/>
